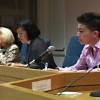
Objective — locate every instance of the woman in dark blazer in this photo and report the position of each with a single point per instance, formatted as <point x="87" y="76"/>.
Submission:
<point x="29" y="33"/>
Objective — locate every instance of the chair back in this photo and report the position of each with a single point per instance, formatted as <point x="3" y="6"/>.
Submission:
<point x="73" y="52"/>
<point x="23" y="52"/>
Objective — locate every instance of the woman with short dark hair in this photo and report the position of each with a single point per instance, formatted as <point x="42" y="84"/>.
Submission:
<point x="29" y="33"/>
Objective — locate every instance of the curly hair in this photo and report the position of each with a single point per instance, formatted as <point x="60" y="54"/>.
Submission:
<point x="7" y="35"/>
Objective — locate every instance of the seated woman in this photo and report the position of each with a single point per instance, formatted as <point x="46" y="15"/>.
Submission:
<point x="9" y="51"/>
<point x="29" y="33"/>
<point x="88" y="34"/>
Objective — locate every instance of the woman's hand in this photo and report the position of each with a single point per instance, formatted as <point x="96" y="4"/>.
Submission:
<point x="16" y="65"/>
<point x="96" y="70"/>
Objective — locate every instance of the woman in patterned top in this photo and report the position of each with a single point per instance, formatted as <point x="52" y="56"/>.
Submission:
<point x="10" y="51"/>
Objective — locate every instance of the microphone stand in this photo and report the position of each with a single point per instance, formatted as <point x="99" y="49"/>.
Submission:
<point x="76" y="80"/>
<point x="38" y="60"/>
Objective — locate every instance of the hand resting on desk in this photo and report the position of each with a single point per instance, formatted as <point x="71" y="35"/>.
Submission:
<point x="16" y="65"/>
<point x="59" y="69"/>
<point x="96" y="70"/>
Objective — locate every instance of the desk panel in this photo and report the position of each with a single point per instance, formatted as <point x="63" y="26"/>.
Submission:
<point x="8" y="74"/>
<point x="60" y="80"/>
<point x="10" y="92"/>
<point x="63" y="79"/>
<point x="17" y="84"/>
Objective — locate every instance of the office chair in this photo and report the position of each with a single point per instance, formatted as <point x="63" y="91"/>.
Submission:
<point x="23" y="52"/>
<point x="73" y="52"/>
<point x="47" y="41"/>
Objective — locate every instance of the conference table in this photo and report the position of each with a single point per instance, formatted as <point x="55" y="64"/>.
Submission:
<point x="18" y="83"/>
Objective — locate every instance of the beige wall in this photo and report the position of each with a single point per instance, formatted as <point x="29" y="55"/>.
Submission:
<point x="57" y="20"/>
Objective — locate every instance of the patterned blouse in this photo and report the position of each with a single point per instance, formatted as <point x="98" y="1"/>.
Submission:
<point x="11" y="54"/>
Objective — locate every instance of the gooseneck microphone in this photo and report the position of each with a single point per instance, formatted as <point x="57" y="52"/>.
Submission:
<point x="78" y="79"/>
<point x="48" y="51"/>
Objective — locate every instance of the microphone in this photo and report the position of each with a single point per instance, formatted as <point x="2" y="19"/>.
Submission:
<point x="48" y="51"/>
<point x="78" y="78"/>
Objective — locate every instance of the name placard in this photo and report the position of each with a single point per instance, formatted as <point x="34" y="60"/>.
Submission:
<point x="43" y="85"/>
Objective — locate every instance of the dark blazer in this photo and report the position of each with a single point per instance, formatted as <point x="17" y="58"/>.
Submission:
<point x="37" y="47"/>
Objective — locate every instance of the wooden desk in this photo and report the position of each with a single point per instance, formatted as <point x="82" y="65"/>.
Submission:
<point x="16" y="84"/>
<point x="17" y="93"/>
<point x="90" y="82"/>
<point x="8" y="74"/>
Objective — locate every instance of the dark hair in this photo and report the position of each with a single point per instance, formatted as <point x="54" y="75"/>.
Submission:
<point x="91" y="20"/>
<point x="31" y="29"/>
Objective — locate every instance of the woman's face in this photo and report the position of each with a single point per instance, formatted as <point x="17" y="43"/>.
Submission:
<point x="86" y="36"/>
<point x="22" y="34"/>
<point x="2" y="43"/>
